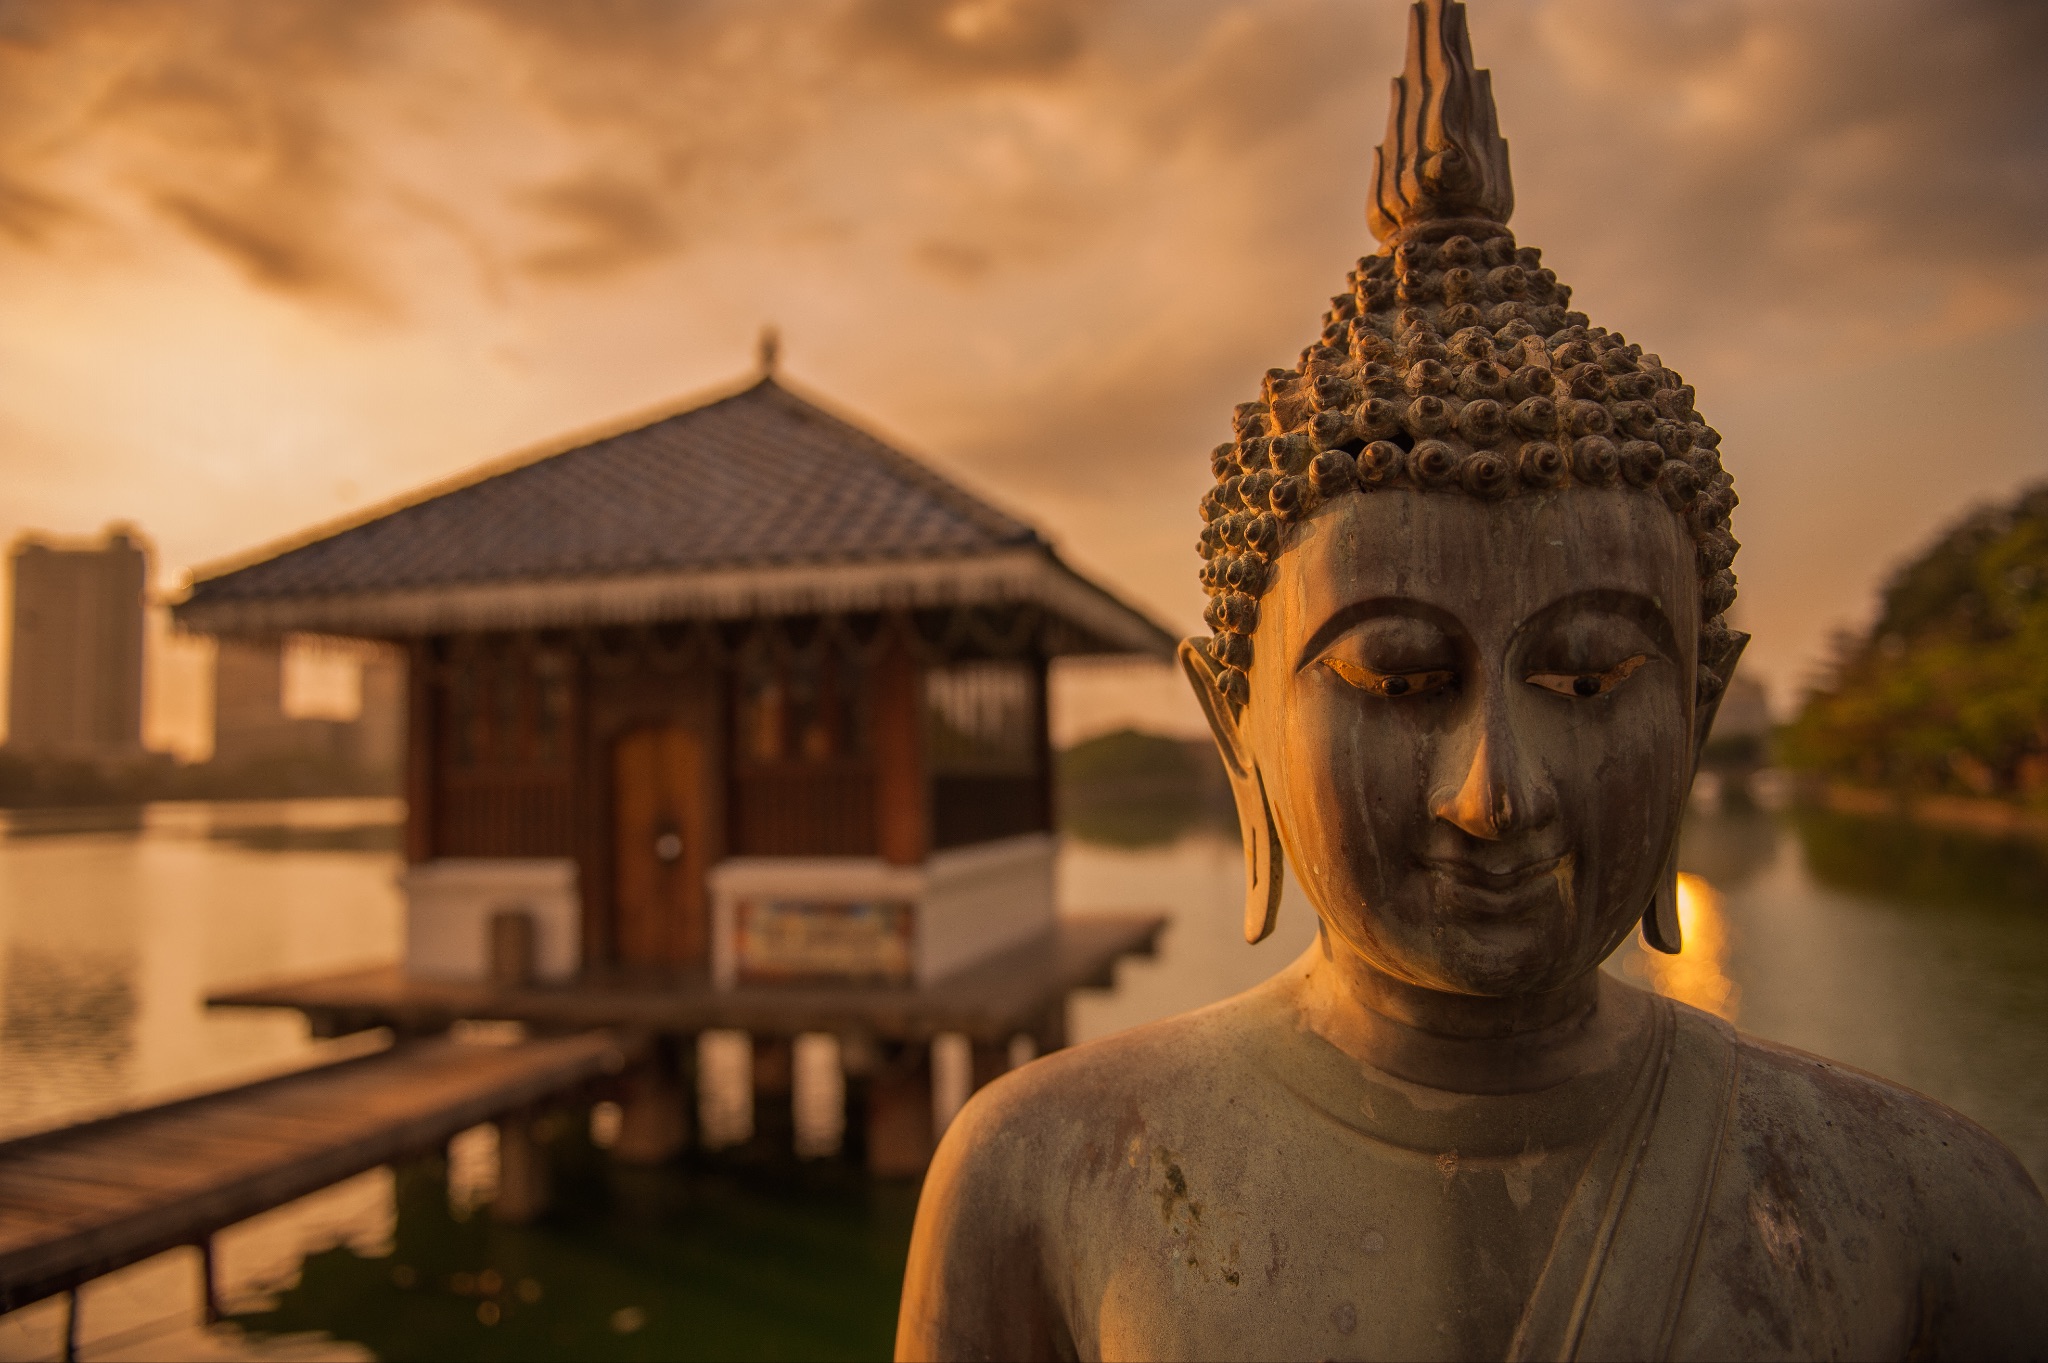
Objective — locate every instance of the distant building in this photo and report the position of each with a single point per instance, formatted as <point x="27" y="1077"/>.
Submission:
<point x="252" y="728"/>
<point x="1745" y="713"/>
<point x="75" y="675"/>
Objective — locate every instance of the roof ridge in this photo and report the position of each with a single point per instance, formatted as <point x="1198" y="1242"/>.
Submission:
<point x="990" y="516"/>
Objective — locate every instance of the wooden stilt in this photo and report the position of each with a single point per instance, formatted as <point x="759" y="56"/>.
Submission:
<point x="654" y="1121"/>
<point x="209" y="1284"/>
<point x="899" y="1116"/>
<point x="71" y="1326"/>
<point x="522" y="1172"/>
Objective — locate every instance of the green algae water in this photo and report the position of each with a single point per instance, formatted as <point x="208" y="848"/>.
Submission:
<point x="699" y="1260"/>
<point x="1920" y="956"/>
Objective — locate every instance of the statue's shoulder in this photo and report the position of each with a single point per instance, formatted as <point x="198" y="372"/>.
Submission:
<point x="1032" y="1172"/>
<point x="1066" y="1105"/>
<point x="1852" y="1214"/>
<point x="1794" y="1100"/>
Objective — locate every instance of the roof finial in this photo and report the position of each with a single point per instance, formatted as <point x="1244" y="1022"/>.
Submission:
<point x="1443" y="168"/>
<point x="768" y="350"/>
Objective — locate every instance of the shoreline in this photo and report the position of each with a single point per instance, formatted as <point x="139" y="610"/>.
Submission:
<point x="1960" y="813"/>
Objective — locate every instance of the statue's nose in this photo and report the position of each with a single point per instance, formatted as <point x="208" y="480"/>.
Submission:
<point x="1496" y="795"/>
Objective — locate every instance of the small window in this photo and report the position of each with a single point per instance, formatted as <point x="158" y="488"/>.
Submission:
<point x="807" y="709"/>
<point x="551" y="715"/>
<point x="764" y="707"/>
<point x="981" y="719"/>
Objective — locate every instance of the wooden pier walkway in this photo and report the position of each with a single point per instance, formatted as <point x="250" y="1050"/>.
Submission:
<point x="85" y="1200"/>
<point x="988" y="1002"/>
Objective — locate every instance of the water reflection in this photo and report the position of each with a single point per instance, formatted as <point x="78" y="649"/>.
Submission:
<point x="1902" y="862"/>
<point x="66" y="1025"/>
<point x="709" y="1258"/>
<point x="1698" y="974"/>
<point x="115" y="925"/>
<point x="1919" y="956"/>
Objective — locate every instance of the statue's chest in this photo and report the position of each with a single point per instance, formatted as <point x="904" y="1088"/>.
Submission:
<point x="1319" y="1249"/>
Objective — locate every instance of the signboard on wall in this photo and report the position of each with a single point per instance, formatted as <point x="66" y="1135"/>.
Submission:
<point x="792" y="940"/>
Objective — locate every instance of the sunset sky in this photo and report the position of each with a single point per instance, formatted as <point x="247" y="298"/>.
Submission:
<point x="265" y="265"/>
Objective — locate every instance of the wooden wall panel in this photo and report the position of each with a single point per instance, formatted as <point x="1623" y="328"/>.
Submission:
<point x="823" y="809"/>
<point x="502" y="745"/>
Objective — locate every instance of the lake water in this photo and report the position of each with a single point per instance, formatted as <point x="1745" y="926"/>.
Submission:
<point x="1921" y="957"/>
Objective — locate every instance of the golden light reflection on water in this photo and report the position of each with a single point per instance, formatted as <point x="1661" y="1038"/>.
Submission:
<point x="1698" y="975"/>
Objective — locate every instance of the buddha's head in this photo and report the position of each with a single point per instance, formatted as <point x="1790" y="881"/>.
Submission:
<point x="1468" y="565"/>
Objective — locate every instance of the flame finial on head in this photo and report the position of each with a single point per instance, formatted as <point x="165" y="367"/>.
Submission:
<point x="1443" y="168"/>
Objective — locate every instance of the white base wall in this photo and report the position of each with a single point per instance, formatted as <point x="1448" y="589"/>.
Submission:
<point x="969" y="903"/>
<point x="448" y="908"/>
<point x="982" y="900"/>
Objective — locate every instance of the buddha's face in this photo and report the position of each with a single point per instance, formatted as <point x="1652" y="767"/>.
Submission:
<point x="1474" y="722"/>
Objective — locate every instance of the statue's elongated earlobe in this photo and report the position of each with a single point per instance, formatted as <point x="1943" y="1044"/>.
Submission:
<point x="1717" y="669"/>
<point x="1264" y="862"/>
<point x="1660" y="920"/>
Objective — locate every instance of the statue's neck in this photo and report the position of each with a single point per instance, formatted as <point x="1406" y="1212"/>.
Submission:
<point x="1461" y="1042"/>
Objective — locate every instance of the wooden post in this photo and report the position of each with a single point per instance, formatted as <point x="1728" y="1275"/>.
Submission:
<point x="654" y="1113"/>
<point x="901" y="790"/>
<point x="71" y="1326"/>
<point x="522" y="1171"/>
<point x="900" y="1115"/>
<point x="420" y="744"/>
<point x="209" y="1283"/>
<point x="511" y="956"/>
<point x="991" y="1062"/>
<point x="1042" y="752"/>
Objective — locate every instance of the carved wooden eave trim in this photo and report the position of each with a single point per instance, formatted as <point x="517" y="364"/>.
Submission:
<point x="1017" y="576"/>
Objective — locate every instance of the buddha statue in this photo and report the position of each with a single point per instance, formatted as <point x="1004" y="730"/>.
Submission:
<point x="1469" y="567"/>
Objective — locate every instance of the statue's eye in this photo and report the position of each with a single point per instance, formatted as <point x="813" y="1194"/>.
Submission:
<point x="1585" y="685"/>
<point x="1391" y="684"/>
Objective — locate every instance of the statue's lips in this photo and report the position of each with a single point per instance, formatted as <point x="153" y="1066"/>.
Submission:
<point x="1508" y="883"/>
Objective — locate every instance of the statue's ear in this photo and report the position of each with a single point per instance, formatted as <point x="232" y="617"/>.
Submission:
<point x="1660" y="920"/>
<point x="1263" y="861"/>
<point x="1727" y="651"/>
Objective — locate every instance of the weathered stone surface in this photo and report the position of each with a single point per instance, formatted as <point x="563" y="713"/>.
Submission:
<point x="1468" y="563"/>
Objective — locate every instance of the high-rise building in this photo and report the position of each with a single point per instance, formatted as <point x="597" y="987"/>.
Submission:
<point x="75" y="675"/>
<point x="251" y="724"/>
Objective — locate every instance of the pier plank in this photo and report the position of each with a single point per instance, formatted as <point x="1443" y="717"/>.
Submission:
<point x="85" y="1200"/>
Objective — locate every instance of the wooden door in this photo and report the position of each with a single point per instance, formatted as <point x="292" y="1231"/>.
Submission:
<point x="661" y="794"/>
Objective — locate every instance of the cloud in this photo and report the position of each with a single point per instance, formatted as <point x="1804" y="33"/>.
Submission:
<point x="612" y="223"/>
<point x="970" y="39"/>
<point x="275" y="256"/>
<point x="1055" y="240"/>
<point x="1819" y="163"/>
<point x="30" y="216"/>
<point x="1804" y="152"/>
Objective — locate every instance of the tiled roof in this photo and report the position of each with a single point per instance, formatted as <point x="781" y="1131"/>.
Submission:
<point x="758" y="503"/>
<point x="759" y="478"/>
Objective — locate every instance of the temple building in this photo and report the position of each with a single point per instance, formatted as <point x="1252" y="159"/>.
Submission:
<point x="741" y="704"/>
